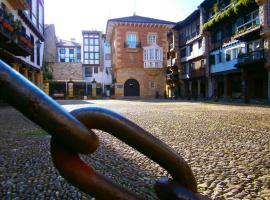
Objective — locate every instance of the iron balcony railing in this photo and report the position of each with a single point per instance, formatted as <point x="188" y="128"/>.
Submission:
<point x="132" y="45"/>
<point x="251" y="56"/>
<point x="248" y="25"/>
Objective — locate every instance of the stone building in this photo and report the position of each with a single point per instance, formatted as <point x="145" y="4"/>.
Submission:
<point x="68" y="51"/>
<point x="62" y="66"/>
<point x="62" y="57"/>
<point x="97" y="60"/>
<point x="22" y="37"/>
<point x="192" y="56"/>
<point x="238" y="48"/>
<point x="139" y="47"/>
<point x="50" y="50"/>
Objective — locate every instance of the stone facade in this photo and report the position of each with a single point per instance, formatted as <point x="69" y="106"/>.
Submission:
<point x="128" y="63"/>
<point x="66" y="71"/>
<point x="151" y="80"/>
<point x="50" y="52"/>
<point x="237" y="52"/>
<point x="192" y="46"/>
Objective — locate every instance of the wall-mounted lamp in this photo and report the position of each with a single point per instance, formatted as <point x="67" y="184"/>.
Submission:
<point x="38" y="44"/>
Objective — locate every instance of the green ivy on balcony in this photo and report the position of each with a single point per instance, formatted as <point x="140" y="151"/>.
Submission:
<point x="237" y="9"/>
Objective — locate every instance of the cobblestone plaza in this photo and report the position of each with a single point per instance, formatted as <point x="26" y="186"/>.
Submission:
<point x="227" y="147"/>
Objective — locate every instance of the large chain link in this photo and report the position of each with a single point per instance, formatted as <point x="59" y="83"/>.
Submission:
<point x="72" y="135"/>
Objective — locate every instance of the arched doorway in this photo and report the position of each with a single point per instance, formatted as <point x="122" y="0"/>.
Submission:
<point x="131" y="88"/>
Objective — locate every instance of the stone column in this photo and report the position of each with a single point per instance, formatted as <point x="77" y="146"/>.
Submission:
<point x="269" y="86"/>
<point x="25" y="73"/>
<point x="245" y="86"/>
<point x="199" y="88"/>
<point x="46" y="88"/>
<point x="33" y="77"/>
<point x="225" y="86"/>
<point x="189" y="89"/>
<point x="16" y="66"/>
<point x="38" y="79"/>
<point x="70" y="90"/>
<point x="210" y="87"/>
<point x="94" y="90"/>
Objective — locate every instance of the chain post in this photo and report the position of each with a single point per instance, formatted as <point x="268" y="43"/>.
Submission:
<point x="72" y="134"/>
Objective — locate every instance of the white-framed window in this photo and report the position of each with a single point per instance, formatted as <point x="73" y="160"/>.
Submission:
<point x="107" y="56"/>
<point x="219" y="57"/>
<point x="88" y="71"/>
<point x="218" y="36"/>
<point x="235" y="53"/>
<point x="131" y="40"/>
<point x="34" y="11"/>
<point x="152" y="84"/>
<point x="152" y="38"/>
<point x="153" y="56"/>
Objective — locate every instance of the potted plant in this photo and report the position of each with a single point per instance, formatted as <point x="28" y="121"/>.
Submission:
<point x="30" y="45"/>
<point x="216" y="8"/>
<point x="17" y="27"/>
<point x="7" y="21"/>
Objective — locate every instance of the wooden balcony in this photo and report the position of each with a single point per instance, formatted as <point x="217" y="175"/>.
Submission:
<point x="248" y="31"/>
<point x="16" y="43"/>
<point x="18" y="48"/>
<point x="20" y="4"/>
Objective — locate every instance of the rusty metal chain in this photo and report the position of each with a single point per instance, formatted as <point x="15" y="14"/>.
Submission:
<point x="72" y="135"/>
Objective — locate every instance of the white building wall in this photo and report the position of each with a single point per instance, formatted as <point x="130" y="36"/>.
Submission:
<point x="107" y="72"/>
<point x="227" y="65"/>
<point x="104" y="75"/>
<point x="196" y="51"/>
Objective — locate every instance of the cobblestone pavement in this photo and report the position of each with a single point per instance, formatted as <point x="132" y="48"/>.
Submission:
<point x="227" y="146"/>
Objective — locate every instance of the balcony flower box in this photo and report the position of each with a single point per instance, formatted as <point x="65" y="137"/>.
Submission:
<point x="30" y="45"/>
<point x="7" y="21"/>
<point x="7" y="25"/>
<point x="24" y="38"/>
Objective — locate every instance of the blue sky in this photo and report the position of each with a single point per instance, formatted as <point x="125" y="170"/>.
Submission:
<point x="75" y="16"/>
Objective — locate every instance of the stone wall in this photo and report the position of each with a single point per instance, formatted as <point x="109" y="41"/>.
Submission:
<point x="67" y="71"/>
<point x="50" y="50"/>
<point x="128" y="63"/>
<point x="144" y="77"/>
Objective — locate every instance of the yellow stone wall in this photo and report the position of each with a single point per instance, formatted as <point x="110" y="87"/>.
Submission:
<point x="143" y="76"/>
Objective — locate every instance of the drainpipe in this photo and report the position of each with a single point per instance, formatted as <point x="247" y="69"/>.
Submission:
<point x="269" y="86"/>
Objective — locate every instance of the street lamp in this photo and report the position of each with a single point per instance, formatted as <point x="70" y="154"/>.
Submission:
<point x="38" y="44"/>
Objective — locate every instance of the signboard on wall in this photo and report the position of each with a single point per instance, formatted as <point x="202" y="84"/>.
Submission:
<point x="119" y="86"/>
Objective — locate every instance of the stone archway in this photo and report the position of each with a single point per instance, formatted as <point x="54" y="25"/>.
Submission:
<point x="131" y="88"/>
